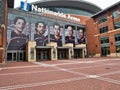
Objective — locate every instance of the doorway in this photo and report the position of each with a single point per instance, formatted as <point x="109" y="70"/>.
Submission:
<point x="43" y="54"/>
<point x="105" y="51"/>
<point x="15" y="56"/>
<point x="62" y="53"/>
<point x="78" y="53"/>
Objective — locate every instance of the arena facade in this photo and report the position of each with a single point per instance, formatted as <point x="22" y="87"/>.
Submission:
<point x="44" y="30"/>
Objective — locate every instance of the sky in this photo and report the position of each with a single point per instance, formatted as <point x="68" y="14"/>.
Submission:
<point x="101" y="3"/>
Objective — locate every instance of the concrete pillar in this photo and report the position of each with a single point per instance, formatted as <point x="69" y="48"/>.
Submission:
<point x="117" y="54"/>
<point x="53" y="50"/>
<point x="31" y="51"/>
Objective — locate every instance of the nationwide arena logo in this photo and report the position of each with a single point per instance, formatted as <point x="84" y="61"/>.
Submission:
<point x="34" y="8"/>
<point x="25" y="6"/>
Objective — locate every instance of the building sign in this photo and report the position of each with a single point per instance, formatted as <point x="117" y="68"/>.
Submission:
<point x="34" y="8"/>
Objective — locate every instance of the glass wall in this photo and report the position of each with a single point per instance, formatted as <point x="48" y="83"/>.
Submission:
<point x="71" y="11"/>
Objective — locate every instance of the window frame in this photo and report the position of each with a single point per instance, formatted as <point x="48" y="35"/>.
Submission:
<point x="117" y="25"/>
<point x="103" y="29"/>
<point x="115" y="14"/>
<point x="102" y="19"/>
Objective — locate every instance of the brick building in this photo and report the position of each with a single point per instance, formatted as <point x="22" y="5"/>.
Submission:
<point x="103" y="33"/>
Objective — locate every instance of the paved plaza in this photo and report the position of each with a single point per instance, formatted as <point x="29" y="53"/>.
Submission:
<point x="75" y="74"/>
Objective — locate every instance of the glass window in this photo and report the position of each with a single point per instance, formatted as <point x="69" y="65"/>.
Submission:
<point x="115" y="14"/>
<point x="104" y="40"/>
<point x="117" y="48"/>
<point x="102" y="19"/>
<point x="117" y="25"/>
<point x="32" y="53"/>
<point x="70" y="10"/>
<point x="117" y="37"/>
<point x="103" y="29"/>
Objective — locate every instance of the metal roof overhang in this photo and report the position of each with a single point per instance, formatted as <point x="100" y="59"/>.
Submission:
<point x="44" y="47"/>
<point x="79" y="47"/>
<point x="63" y="47"/>
<point x="76" y="4"/>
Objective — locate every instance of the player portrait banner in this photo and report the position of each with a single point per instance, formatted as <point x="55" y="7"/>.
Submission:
<point x="23" y="27"/>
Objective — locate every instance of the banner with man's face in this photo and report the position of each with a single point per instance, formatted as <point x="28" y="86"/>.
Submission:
<point x="56" y="33"/>
<point x="81" y="36"/>
<point x="17" y="32"/>
<point x="39" y="31"/>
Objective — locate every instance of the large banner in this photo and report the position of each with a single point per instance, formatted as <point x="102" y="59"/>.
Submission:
<point x="22" y="28"/>
<point x="17" y="32"/>
<point x="81" y="36"/>
<point x="39" y="31"/>
<point x="75" y="35"/>
<point x="56" y="34"/>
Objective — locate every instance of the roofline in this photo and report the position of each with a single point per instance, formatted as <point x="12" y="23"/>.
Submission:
<point x="77" y="4"/>
<point x="106" y="9"/>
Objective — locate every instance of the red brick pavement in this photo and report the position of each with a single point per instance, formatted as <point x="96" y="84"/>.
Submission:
<point x="80" y="74"/>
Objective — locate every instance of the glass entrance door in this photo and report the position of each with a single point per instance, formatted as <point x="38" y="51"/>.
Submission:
<point x="105" y="51"/>
<point x="15" y="56"/>
<point x="9" y="56"/>
<point x="78" y="53"/>
<point x="62" y="54"/>
<point x="43" y="54"/>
